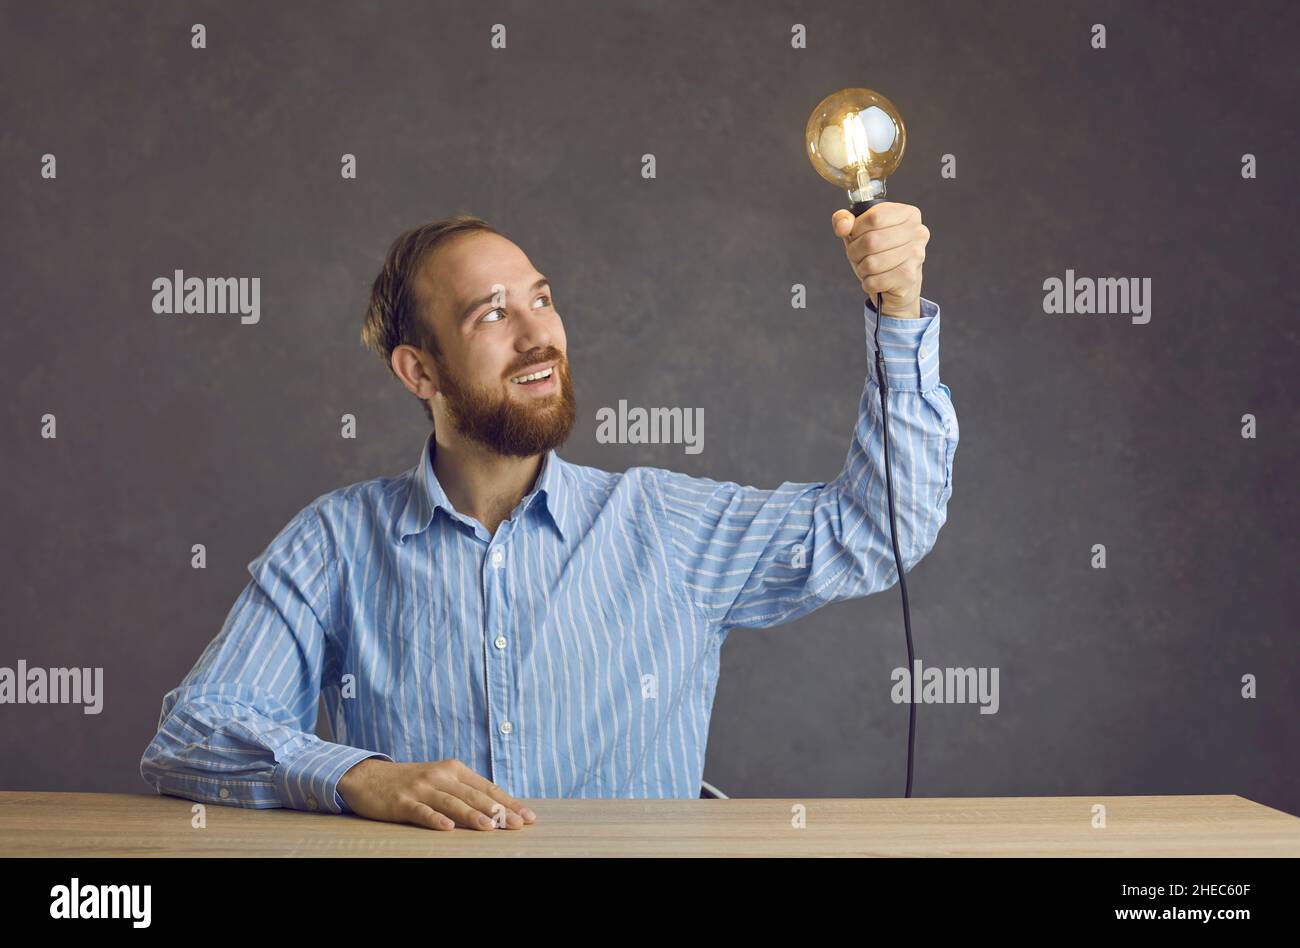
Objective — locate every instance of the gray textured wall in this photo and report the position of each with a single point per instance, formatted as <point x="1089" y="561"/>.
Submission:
<point x="1075" y="430"/>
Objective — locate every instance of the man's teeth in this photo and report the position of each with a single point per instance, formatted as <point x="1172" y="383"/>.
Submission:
<point x="544" y="374"/>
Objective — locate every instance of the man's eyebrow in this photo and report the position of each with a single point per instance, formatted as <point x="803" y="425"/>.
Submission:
<point x="469" y="310"/>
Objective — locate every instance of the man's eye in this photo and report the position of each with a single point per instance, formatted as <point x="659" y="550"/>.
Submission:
<point x="484" y="317"/>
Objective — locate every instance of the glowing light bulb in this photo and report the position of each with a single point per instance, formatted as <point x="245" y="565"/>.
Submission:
<point x="855" y="140"/>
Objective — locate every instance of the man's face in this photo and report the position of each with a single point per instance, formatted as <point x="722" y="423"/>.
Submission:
<point x="495" y="321"/>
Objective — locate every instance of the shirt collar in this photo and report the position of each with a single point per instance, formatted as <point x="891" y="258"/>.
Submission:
<point x="425" y="495"/>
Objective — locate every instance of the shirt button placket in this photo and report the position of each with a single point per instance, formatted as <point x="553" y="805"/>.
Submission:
<point x="497" y="671"/>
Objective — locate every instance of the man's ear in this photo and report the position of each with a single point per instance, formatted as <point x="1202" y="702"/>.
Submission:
<point x="418" y="371"/>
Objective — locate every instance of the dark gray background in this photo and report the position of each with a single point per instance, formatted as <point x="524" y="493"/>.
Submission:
<point x="1074" y="430"/>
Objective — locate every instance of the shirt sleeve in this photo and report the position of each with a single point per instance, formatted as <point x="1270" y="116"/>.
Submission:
<point x="757" y="558"/>
<point x="238" y="729"/>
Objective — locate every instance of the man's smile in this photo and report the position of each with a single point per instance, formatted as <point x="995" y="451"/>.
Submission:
<point x="538" y="379"/>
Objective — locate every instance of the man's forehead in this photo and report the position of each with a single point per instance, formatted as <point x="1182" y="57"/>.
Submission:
<point x="466" y="269"/>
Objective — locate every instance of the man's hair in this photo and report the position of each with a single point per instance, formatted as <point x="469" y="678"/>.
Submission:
<point x="395" y="317"/>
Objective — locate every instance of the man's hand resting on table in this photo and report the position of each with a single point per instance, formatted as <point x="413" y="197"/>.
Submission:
<point x="439" y="794"/>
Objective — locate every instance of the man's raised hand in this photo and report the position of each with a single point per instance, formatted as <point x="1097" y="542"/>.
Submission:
<point x="885" y="245"/>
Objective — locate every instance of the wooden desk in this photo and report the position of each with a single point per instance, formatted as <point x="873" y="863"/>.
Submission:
<point x="110" y="824"/>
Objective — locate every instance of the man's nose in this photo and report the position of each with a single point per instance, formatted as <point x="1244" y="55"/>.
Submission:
<point x="534" y="333"/>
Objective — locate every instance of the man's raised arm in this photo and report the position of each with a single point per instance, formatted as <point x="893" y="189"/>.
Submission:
<point x="751" y="557"/>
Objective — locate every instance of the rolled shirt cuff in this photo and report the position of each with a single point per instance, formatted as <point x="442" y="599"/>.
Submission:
<point x="910" y="346"/>
<point x="310" y="779"/>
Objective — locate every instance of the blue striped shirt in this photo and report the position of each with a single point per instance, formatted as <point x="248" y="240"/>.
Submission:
<point x="574" y="653"/>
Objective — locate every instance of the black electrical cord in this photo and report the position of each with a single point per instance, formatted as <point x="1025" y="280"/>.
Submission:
<point x="882" y="379"/>
<point x="883" y="383"/>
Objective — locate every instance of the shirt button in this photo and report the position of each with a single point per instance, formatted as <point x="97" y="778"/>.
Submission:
<point x="924" y="352"/>
<point x="311" y="803"/>
<point x="498" y="557"/>
<point x="499" y="641"/>
<point x="506" y="727"/>
<point x="223" y="793"/>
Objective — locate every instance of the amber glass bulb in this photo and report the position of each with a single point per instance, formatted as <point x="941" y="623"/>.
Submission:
<point x="855" y="140"/>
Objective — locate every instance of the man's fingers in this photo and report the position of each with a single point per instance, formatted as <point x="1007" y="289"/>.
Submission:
<point x="884" y="214"/>
<point x="886" y="260"/>
<point x="842" y="223"/>
<point x="899" y="278"/>
<point x="479" y="782"/>
<point x="421" y="814"/>
<point x="886" y="238"/>
<point x="496" y="811"/>
<point x="460" y="811"/>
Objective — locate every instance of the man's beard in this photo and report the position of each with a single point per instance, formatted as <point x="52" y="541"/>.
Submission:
<point x="505" y="425"/>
